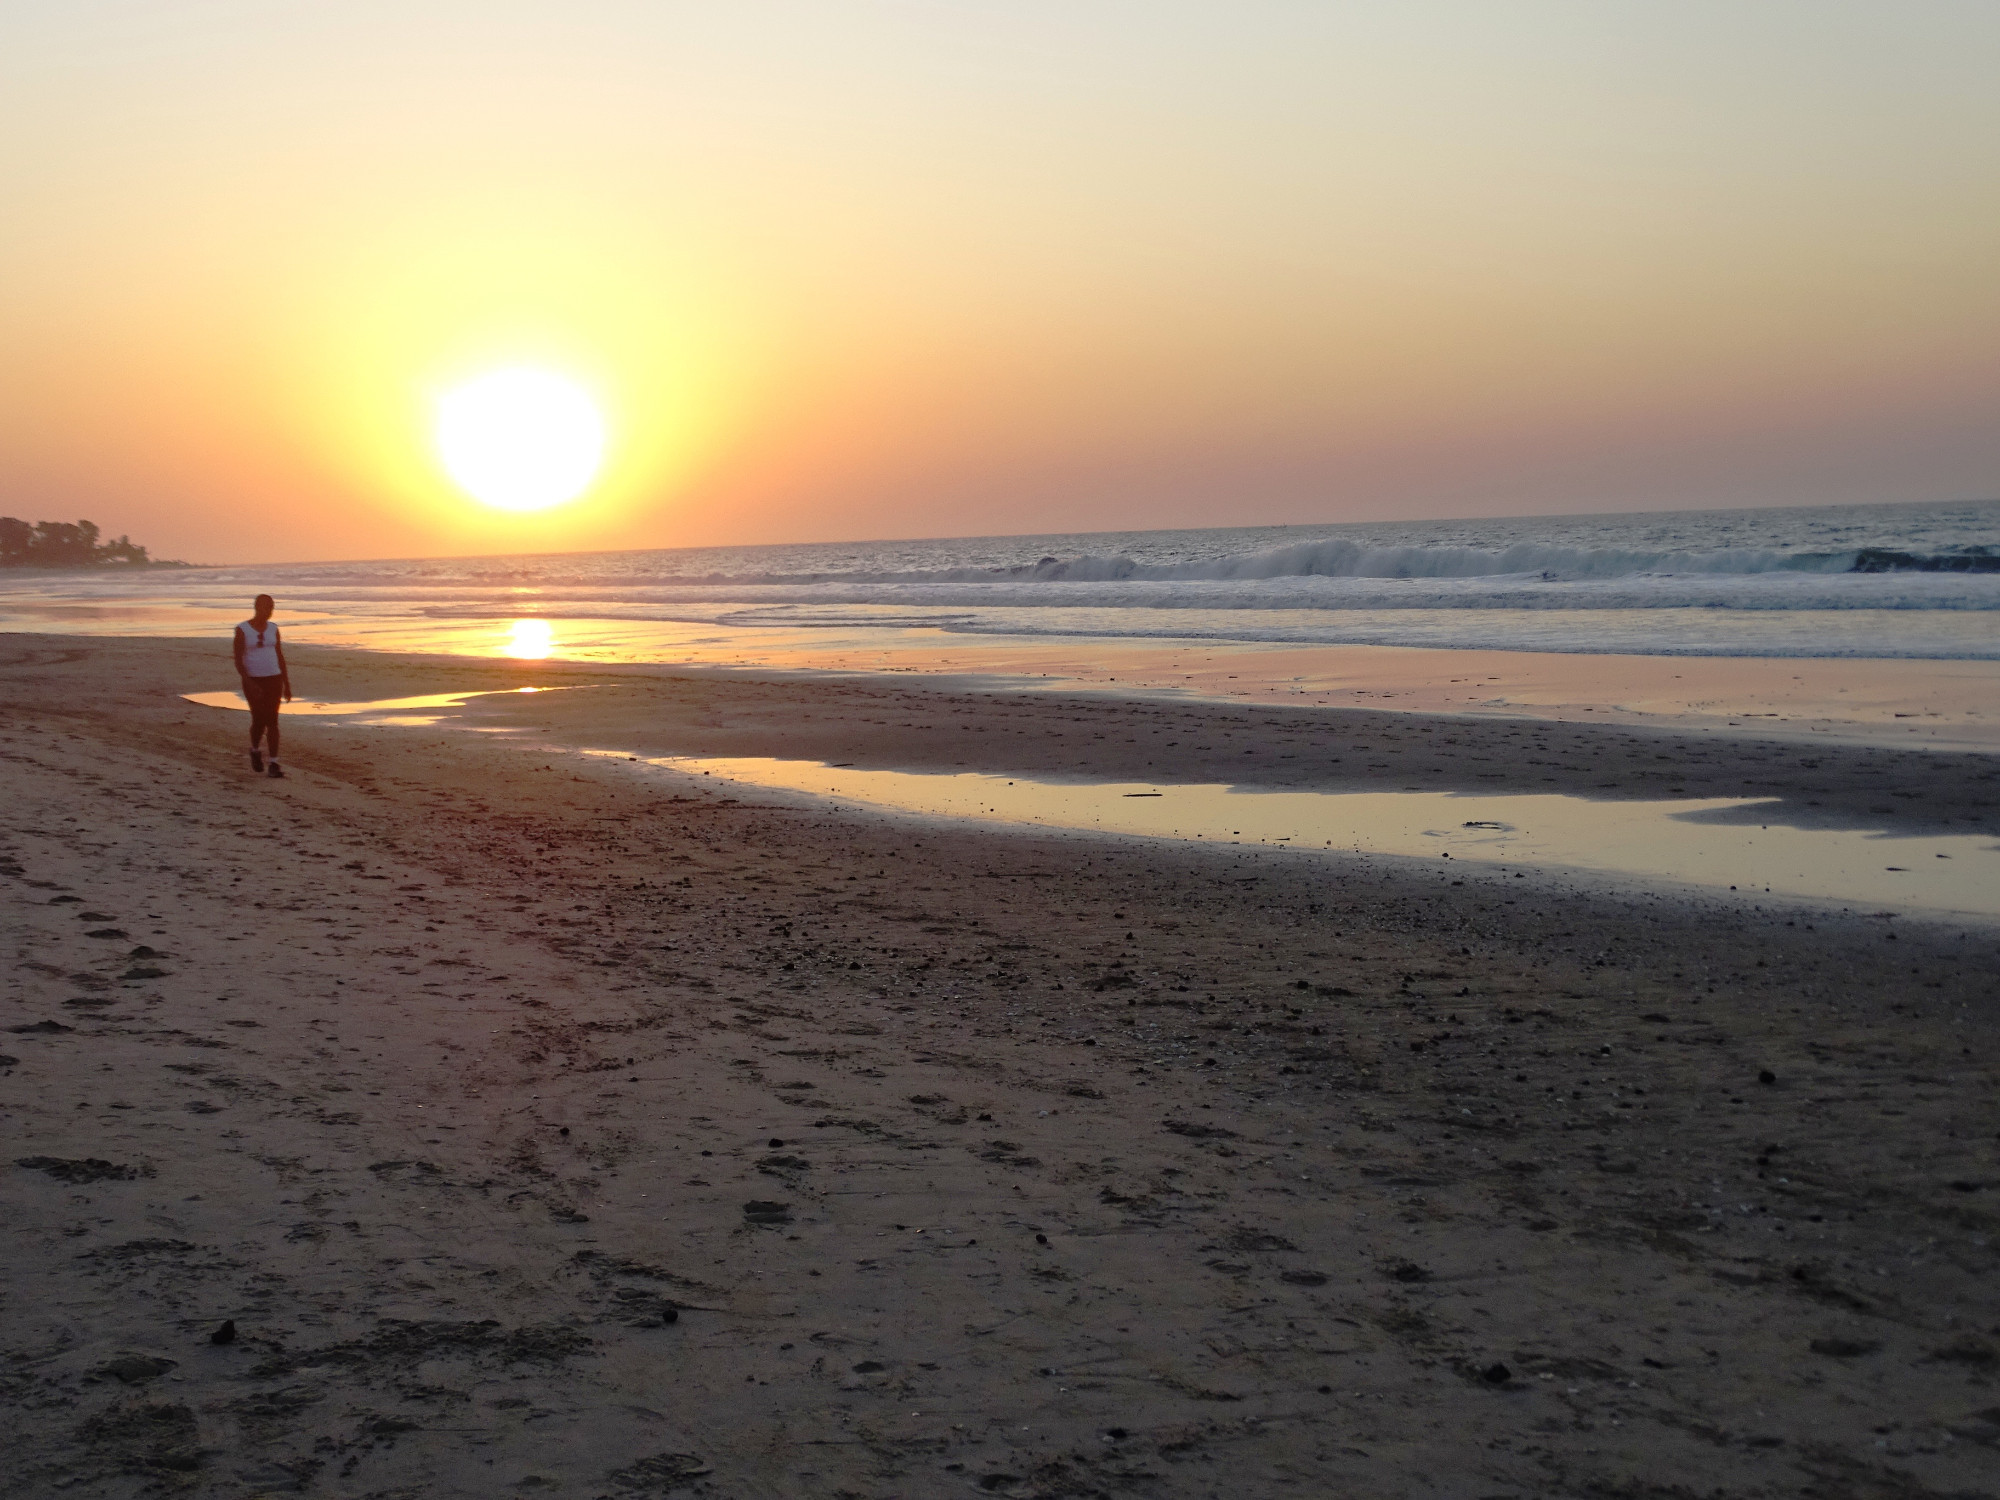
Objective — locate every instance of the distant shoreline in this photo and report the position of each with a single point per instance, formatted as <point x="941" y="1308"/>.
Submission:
<point x="151" y="565"/>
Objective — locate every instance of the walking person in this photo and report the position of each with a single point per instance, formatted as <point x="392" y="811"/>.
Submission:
<point x="260" y="662"/>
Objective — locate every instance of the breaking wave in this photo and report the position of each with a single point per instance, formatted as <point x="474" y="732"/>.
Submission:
<point x="1340" y="558"/>
<point x="1322" y="558"/>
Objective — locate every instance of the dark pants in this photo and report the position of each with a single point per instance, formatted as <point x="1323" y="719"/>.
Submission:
<point x="263" y="695"/>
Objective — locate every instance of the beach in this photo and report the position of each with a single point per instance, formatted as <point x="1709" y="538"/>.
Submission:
<point x="547" y="1121"/>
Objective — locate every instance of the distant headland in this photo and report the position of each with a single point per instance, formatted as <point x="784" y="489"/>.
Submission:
<point x="69" y="544"/>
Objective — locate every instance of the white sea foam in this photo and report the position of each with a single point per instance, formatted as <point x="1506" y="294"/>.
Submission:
<point x="1788" y="591"/>
<point x="1341" y="558"/>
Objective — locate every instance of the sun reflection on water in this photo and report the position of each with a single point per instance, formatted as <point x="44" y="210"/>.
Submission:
<point x="530" y="640"/>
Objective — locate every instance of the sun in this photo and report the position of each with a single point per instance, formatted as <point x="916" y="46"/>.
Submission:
<point x="520" y="439"/>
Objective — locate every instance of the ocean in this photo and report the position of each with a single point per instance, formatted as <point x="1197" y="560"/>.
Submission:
<point x="1880" y="581"/>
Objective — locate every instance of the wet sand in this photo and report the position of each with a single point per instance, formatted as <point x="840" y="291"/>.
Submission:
<point x="1948" y="703"/>
<point x="1706" y="848"/>
<point x="942" y="724"/>
<point x="965" y="1161"/>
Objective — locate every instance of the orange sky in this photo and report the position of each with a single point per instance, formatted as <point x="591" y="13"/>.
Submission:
<point x="897" y="268"/>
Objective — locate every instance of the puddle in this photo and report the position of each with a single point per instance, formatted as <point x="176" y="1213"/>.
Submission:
<point x="1643" y="841"/>
<point x="397" y="711"/>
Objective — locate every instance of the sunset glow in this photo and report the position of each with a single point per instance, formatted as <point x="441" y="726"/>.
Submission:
<point x="928" y="270"/>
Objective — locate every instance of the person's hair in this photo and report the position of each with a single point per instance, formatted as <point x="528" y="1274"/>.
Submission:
<point x="262" y="599"/>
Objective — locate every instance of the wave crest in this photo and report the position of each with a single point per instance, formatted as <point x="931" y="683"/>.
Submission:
<point x="1341" y="558"/>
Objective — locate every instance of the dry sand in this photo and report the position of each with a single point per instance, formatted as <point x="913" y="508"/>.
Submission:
<point x="964" y="1161"/>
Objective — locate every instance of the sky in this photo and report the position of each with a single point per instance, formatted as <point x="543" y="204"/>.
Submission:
<point x="855" y="269"/>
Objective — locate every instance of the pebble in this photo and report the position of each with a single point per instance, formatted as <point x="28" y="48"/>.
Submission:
<point x="133" y="1368"/>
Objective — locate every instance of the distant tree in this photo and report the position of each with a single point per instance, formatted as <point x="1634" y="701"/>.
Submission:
<point x="62" y="544"/>
<point x="124" y="550"/>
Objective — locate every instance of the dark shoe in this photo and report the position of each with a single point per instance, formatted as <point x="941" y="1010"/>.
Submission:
<point x="275" y="773"/>
<point x="257" y="760"/>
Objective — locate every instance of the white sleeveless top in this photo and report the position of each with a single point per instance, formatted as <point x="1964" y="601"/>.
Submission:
<point x="260" y="649"/>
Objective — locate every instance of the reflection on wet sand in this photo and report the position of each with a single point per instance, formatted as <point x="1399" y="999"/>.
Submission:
<point x="403" y="710"/>
<point x="530" y="640"/>
<point x="1659" y="841"/>
<point x="1932" y="704"/>
<point x="1918" y="704"/>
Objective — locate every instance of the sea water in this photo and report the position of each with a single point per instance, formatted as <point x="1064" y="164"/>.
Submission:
<point x="1712" y="843"/>
<point x="1882" y="581"/>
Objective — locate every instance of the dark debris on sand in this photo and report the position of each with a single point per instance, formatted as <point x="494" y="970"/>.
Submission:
<point x="400" y="1342"/>
<point x="86" y="1169"/>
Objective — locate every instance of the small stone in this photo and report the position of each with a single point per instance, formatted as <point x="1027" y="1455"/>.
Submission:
<point x="226" y="1334"/>
<point x="648" y="1309"/>
<point x="1839" y="1348"/>
<point x="1767" y="1076"/>
<point x="1496" y="1374"/>
<point x="133" y="1368"/>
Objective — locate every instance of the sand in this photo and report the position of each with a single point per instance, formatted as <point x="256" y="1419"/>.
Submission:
<point x="546" y="1129"/>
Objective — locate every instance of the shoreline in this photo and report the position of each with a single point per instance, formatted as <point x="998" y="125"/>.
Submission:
<point x="960" y="1155"/>
<point x="1945" y="703"/>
